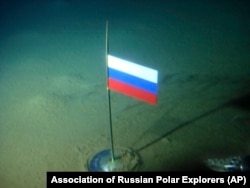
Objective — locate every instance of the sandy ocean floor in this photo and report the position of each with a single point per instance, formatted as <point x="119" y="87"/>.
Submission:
<point x="54" y="110"/>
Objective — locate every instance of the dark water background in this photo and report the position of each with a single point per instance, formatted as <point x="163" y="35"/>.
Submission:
<point x="52" y="82"/>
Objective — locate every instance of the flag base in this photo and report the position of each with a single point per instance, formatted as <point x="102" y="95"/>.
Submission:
<point x="124" y="160"/>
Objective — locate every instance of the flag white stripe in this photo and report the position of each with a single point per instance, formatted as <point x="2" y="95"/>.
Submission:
<point x="133" y="69"/>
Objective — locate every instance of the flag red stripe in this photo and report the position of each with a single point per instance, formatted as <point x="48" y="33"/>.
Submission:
<point x="132" y="91"/>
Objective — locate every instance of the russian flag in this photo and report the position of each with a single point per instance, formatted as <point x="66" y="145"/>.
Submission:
<point x="132" y="79"/>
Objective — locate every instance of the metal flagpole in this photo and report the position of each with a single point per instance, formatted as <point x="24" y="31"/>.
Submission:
<point x="104" y="160"/>
<point x="108" y="94"/>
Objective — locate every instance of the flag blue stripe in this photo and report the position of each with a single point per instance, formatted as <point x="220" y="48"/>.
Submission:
<point x="133" y="80"/>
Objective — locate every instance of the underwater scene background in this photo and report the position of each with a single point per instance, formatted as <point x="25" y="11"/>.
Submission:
<point x="53" y="99"/>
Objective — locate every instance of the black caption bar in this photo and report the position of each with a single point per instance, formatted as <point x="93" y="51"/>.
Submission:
<point x="80" y="179"/>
